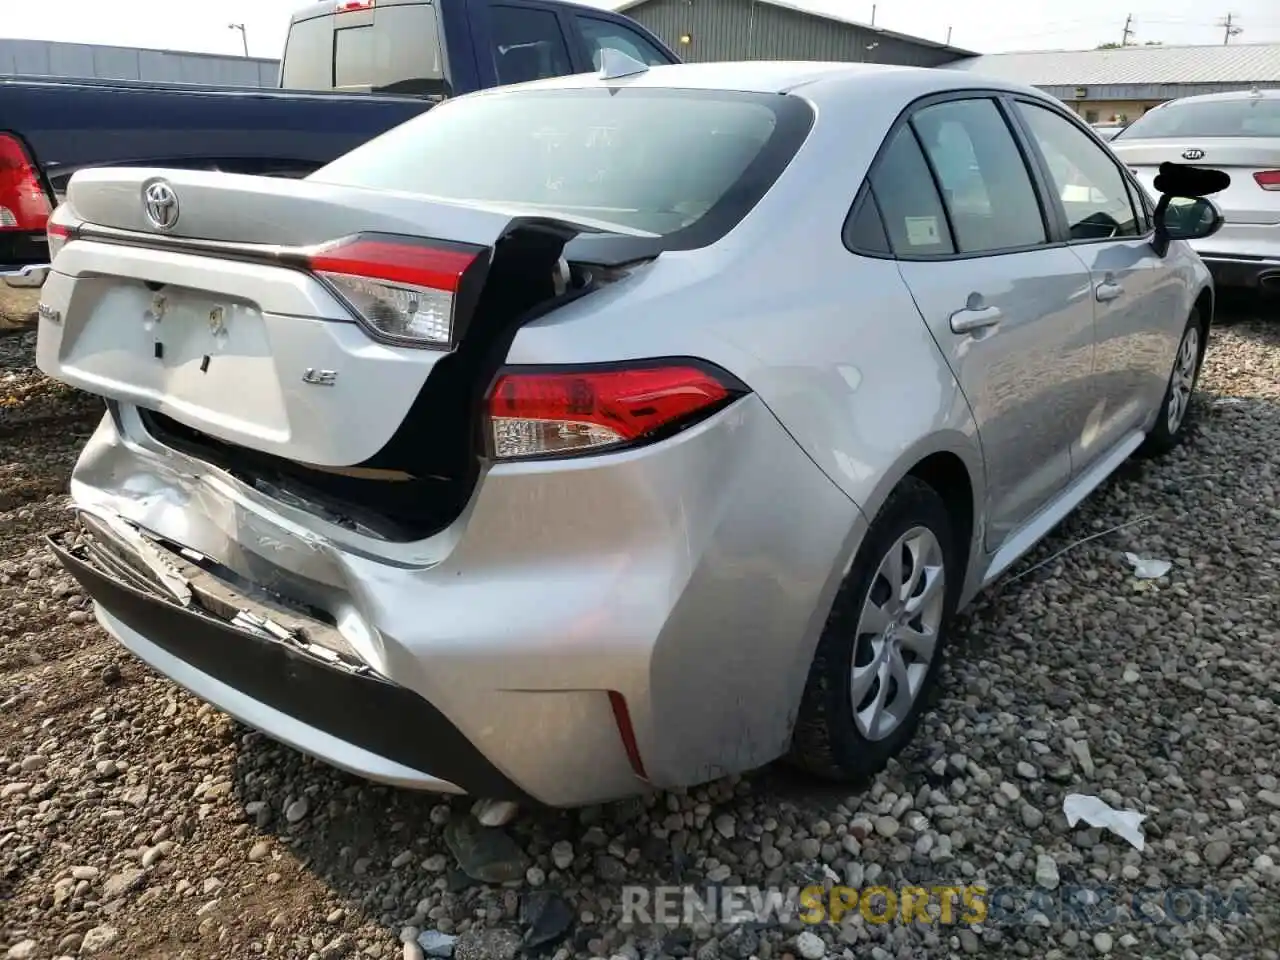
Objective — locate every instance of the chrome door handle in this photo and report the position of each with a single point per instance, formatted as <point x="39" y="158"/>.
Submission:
<point x="968" y="320"/>
<point x="1108" y="290"/>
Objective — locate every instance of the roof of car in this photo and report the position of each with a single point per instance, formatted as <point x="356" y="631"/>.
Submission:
<point x="755" y="76"/>
<point x="776" y="76"/>
<point x="1264" y="94"/>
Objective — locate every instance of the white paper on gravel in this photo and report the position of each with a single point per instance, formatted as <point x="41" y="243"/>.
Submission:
<point x="1146" y="568"/>
<point x="1126" y="824"/>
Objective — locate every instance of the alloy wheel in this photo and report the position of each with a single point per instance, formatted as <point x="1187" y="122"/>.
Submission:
<point x="1183" y="379"/>
<point x="897" y="633"/>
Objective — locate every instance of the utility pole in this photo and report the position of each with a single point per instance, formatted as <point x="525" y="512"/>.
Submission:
<point x="1128" y="31"/>
<point x="244" y="36"/>
<point x="1229" y="28"/>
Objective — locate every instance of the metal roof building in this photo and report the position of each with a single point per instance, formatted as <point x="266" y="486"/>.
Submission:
<point x="1136" y="73"/>
<point x="714" y="30"/>
<point x="42" y="58"/>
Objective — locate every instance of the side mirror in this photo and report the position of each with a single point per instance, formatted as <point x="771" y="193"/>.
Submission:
<point x="1184" y="218"/>
<point x="1191" y="218"/>
<point x="1184" y="210"/>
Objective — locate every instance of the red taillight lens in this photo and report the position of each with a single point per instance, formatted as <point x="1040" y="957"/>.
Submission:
<point x="1268" y="179"/>
<point x="58" y="235"/>
<point x="627" y="731"/>
<point x="23" y="203"/>
<point x="553" y="412"/>
<point x="405" y="291"/>
<point x="350" y="6"/>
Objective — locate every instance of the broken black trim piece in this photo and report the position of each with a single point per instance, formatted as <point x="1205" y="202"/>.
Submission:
<point x="366" y="711"/>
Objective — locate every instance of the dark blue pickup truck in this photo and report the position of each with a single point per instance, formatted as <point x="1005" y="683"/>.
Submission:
<point x="351" y="69"/>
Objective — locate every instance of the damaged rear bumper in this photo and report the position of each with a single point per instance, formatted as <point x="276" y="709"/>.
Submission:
<point x="666" y="578"/>
<point x="288" y="674"/>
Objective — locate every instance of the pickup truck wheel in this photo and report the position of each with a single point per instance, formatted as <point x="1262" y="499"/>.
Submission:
<point x="1175" y="409"/>
<point x="880" y="651"/>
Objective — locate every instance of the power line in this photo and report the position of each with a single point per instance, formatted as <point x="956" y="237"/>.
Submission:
<point x="1057" y="28"/>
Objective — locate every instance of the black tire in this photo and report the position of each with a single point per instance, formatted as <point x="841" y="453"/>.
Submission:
<point x="1162" y="438"/>
<point x="826" y="740"/>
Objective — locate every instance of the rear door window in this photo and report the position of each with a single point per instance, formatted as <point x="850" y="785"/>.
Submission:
<point x="528" y="44"/>
<point x="864" y="231"/>
<point x="391" y="48"/>
<point x="601" y="34"/>
<point x="908" y="200"/>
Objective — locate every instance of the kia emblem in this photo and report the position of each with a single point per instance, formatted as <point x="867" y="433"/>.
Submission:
<point x="1192" y="154"/>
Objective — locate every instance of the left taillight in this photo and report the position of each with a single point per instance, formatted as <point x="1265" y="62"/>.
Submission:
<point x="564" y="411"/>
<point x="59" y="235"/>
<point x="405" y="291"/>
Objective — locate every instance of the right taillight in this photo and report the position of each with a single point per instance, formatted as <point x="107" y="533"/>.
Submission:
<point x="564" y="411"/>
<point x="23" y="203"/>
<point x="1268" y="179"/>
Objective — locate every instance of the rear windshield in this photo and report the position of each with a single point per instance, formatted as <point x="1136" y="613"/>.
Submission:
<point x="683" y="164"/>
<point x="1258" y="117"/>
<point x="392" y="48"/>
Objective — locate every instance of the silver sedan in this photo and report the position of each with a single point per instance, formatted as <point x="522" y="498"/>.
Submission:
<point x="613" y="432"/>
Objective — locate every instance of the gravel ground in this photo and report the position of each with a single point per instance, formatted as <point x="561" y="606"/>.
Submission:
<point x="17" y="308"/>
<point x="136" y="822"/>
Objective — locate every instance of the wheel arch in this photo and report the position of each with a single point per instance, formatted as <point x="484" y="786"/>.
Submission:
<point x="948" y="476"/>
<point x="951" y="464"/>
<point x="1204" y="304"/>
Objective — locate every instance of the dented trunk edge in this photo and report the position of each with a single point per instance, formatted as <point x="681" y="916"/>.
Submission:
<point x="287" y="663"/>
<point x="439" y="443"/>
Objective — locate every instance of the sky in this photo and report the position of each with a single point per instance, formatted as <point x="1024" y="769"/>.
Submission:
<point x="988" y="26"/>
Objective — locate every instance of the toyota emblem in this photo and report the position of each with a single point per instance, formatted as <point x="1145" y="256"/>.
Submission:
<point x="1192" y="154"/>
<point x="160" y="204"/>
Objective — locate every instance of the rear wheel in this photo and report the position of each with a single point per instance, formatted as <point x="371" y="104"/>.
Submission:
<point x="1171" y="422"/>
<point x="881" y="649"/>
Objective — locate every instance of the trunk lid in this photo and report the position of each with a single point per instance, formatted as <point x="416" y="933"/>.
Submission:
<point x="1244" y="201"/>
<point x="271" y="211"/>
<point x="219" y="317"/>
